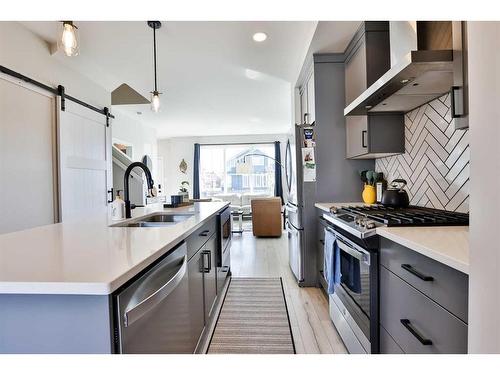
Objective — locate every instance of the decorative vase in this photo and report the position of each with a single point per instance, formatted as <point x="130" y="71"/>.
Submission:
<point x="369" y="194"/>
<point x="185" y="196"/>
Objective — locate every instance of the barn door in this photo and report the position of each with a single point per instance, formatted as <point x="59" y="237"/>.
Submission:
<point x="85" y="174"/>
<point x="28" y="173"/>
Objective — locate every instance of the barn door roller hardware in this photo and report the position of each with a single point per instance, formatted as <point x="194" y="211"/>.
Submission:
<point x="60" y="91"/>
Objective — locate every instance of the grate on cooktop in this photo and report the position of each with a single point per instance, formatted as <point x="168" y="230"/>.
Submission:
<point x="409" y="216"/>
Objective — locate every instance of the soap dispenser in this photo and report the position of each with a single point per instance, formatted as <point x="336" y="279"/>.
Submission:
<point x="118" y="207"/>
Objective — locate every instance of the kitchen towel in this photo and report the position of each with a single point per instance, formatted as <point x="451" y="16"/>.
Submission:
<point x="331" y="266"/>
<point x="351" y="273"/>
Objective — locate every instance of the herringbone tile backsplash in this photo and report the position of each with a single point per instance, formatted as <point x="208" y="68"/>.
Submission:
<point x="436" y="161"/>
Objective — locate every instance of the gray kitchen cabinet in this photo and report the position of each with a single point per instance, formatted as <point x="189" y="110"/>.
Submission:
<point x="374" y="136"/>
<point x="367" y="58"/>
<point x="387" y="343"/>
<point x="198" y="238"/>
<point x="444" y="285"/>
<point x="307" y="102"/>
<point x="310" y="99"/>
<point x="416" y="323"/>
<point x="423" y="303"/>
<point x="196" y="307"/>
<point x="208" y="260"/>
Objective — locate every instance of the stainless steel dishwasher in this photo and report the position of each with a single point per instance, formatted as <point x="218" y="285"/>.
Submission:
<point x="153" y="311"/>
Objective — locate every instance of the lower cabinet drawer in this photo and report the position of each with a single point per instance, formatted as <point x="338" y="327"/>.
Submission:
<point x="201" y="235"/>
<point x="387" y="343"/>
<point x="445" y="285"/>
<point x="415" y="322"/>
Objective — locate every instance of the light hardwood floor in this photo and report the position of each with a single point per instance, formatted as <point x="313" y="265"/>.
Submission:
<point x="313" y="331"/>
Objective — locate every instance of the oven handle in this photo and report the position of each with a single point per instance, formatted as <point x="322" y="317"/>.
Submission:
<point x="354" y="253"/>
<point x="362" y="256"/>
<point x="135" y="313"/>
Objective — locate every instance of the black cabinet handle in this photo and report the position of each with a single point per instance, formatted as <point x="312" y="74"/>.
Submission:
<point x="110" y="191"/>
<point x="322" y="242"/>
<point x="206" y="267"/>
<point x="363" y="143"/>
<point x="205" y="233"/>
<point x="414" y="272"/>
<point x="406" y="323"/>
<point x="456" y="112"/>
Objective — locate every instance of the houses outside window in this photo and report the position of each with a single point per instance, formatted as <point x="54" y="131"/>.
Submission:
<point x="219" y="175"/>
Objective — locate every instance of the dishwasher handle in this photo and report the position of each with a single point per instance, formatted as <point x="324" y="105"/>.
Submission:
<point x="135" y="313"/>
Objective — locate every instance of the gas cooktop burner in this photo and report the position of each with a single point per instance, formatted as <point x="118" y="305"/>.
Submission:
<point x="408" y="216"/>
<point x="362" y="221"/>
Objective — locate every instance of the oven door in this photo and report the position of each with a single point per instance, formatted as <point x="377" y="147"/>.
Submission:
<point x="355" y="284"/>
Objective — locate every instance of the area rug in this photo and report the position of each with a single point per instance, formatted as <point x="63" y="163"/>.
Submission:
<point x="253" y="319"/>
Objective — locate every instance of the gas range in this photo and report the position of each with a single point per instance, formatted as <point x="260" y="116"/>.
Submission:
<point x="362" y="221"/>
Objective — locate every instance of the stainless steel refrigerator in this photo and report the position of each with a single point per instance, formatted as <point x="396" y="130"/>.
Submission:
<point x="300" y="181"/>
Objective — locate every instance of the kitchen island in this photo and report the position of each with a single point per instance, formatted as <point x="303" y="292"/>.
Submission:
<point x="57" y="281"/>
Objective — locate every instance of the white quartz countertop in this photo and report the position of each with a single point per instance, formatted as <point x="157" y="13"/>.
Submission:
<point x="89" y="256"/>
<point x="447" y="245"/>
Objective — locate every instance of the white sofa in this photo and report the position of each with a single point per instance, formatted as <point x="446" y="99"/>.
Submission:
<point x="240" y="202"/>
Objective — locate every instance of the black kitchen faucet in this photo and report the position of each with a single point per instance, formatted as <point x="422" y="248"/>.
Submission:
<point x="149" y="180"/>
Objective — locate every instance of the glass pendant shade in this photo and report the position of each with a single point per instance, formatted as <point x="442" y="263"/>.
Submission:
<point x="155" y="101"/>
<point x="68" y="40"/>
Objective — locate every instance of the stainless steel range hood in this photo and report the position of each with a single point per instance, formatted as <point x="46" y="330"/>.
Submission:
<point x="417" y="78"/>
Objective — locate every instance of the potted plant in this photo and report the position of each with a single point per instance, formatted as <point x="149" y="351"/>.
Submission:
<point x="369" y="193"/>
<point x="183" y="190"/>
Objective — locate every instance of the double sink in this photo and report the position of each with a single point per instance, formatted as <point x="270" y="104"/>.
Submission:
<point x="155" y="220"/>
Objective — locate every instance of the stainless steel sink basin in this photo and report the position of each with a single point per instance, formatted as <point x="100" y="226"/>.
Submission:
<point x="155" y="221"/>
<point x="166" y="218"/>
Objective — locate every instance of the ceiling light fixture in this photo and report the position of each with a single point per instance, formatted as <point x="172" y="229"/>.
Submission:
<point x="68" y="40"/>
<point x="155" y="95"/>
<point x="259" y="37"/>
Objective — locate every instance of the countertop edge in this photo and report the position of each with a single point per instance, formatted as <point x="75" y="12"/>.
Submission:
<point x="426" y="251"/>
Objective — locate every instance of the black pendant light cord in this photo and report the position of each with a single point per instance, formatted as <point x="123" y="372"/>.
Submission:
<point x="154" y="56"/>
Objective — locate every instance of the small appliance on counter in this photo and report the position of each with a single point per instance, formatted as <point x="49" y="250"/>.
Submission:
<point x="396" y="195"/>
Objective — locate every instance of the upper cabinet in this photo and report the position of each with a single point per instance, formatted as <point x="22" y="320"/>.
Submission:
<point x="374" y="136"/>
<point x="307" y="103"/>
<point x="367" y="58"/>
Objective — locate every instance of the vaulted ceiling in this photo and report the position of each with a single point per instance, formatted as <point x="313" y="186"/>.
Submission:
<point x="215" y="79"/>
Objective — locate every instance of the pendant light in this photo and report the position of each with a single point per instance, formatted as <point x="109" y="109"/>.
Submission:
<point x="68" y="40"/>
<point x="155" y="95"/>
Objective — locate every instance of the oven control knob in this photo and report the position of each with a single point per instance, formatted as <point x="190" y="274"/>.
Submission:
<point x="370" y="225"/>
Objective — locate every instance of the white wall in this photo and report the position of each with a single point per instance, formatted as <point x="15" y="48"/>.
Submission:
<point x="143" y="138"/>
<point x="484" y="278"/>
<point x="173" y="150"/>
<point x="26" y="53"/>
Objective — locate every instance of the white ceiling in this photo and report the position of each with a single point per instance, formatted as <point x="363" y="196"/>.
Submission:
<point x="215" y="79"/>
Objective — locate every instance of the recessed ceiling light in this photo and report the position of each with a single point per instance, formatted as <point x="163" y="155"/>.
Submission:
<point x="259" y="37"/>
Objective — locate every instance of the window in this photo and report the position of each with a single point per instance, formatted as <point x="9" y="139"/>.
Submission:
<point x="219" y="174"/>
